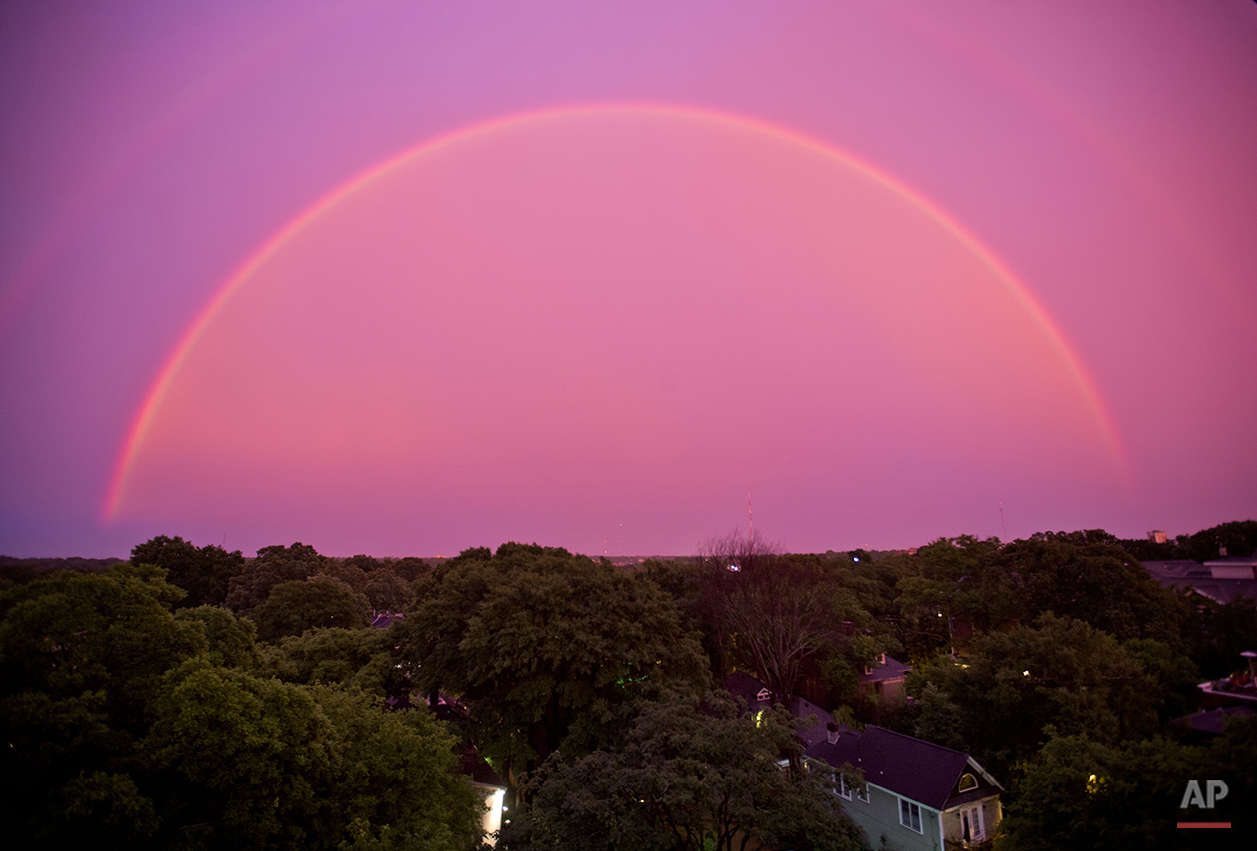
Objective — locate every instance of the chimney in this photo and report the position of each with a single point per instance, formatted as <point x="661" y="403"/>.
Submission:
<point x="831" y="732"/>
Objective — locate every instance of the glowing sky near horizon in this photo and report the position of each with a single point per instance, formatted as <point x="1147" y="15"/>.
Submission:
<point x="603" y="327"/>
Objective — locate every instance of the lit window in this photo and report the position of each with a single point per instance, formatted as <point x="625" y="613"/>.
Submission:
<point x="910" y="815"/>
<point x="968" y="782"/>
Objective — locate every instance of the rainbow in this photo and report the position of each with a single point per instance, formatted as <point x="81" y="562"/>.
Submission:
<point x="152" y="401"/>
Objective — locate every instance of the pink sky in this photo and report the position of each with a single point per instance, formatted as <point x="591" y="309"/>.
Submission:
<point x="409" y="278"/>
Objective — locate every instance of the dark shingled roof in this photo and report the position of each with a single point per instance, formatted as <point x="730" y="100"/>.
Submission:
<point x="1213" y="721"/>
<point x="1194" y="576"/>
<point x="891" y="669"/>
<point x="743" y="685"/>
<point x="384" y="620"/>
<point x="910" y="767"/>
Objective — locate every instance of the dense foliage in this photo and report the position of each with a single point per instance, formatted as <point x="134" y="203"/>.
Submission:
<point x="196" y="698"/>
<point x="685" y="778"/>
<point x="129" y="725"/>
<point x="548" y="649"/>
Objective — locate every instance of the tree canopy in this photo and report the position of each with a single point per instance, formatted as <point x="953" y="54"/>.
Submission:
<point x="129" y="725"/>
<point x="547" y="648"/>
<point x="272" y="566"/>
<point x="295" y="606"/>
<point x="205" y="573"/>
<point x="685" y="778"/>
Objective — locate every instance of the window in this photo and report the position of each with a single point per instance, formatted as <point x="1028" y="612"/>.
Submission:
<point x="910" y="815"/>
<point x="968" y="782"/>
<point x="844" y="788"/>
<point x="863" y="794"/>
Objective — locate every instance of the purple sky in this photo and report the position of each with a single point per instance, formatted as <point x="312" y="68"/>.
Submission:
<point x="407" y="278"/>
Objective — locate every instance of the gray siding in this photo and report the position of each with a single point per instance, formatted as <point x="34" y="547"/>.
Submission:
<point x="880" y="817"/>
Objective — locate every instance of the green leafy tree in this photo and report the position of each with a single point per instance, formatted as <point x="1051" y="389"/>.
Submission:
<point x="1232" y="758"/>
<point x="346" y="571"/>
<point x="256" y="763"/>
<point x="293" y="607"/>
<point x="1087" y="576"/>
<point x="247" y="758"/>
<point x="410" y="568"/>
<point x="987" y="585"/>
<point x="1238" y="538"/>
<point x="388" y="592"/>
<point x="547" y="648"/>
<point x="965" y="579"/>
<point x="940" y="720"/>
<point x="367" y="564"/>
<point x="125" y="728"/>
<point x="204" y="572"/>
<point x="358" y="658"/>
<point x="1215" y="635"/>
<point x="272" y="566"/>
<point x="82" y="662"/>
<point x="685" y="778"/>
<point x="230" y="641"/>
<point x="397" y="777"/>
<point x="1078" y="793"/>
<point x="1059" y="672"/>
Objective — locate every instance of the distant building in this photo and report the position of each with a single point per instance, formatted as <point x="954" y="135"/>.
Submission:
<point x="383" y="620"/>
<point x="1157" y="536"/>
<point x="885" y="678"/>
<point x="1221" y="580"/>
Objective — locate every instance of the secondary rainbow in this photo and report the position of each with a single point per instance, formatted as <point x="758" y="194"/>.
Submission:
<point x="165" y="378"/>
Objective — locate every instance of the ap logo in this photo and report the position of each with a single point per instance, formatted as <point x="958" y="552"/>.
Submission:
<point x="1215" y="791"/>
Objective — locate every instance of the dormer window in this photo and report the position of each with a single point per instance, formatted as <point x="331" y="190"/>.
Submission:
<point x="967" y="782"/>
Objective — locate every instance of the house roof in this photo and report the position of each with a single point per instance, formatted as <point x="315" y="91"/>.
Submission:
<point x="1194" y="576"/>
<point x="1213" y="721"/>
<point x="914" y="768"/>
<point x="819" y="729"/>
<point x="748" y="688"/>
<point x="891" y="669"/>
<point x="383" y="620"/>
<point x="1242" y="561"/>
